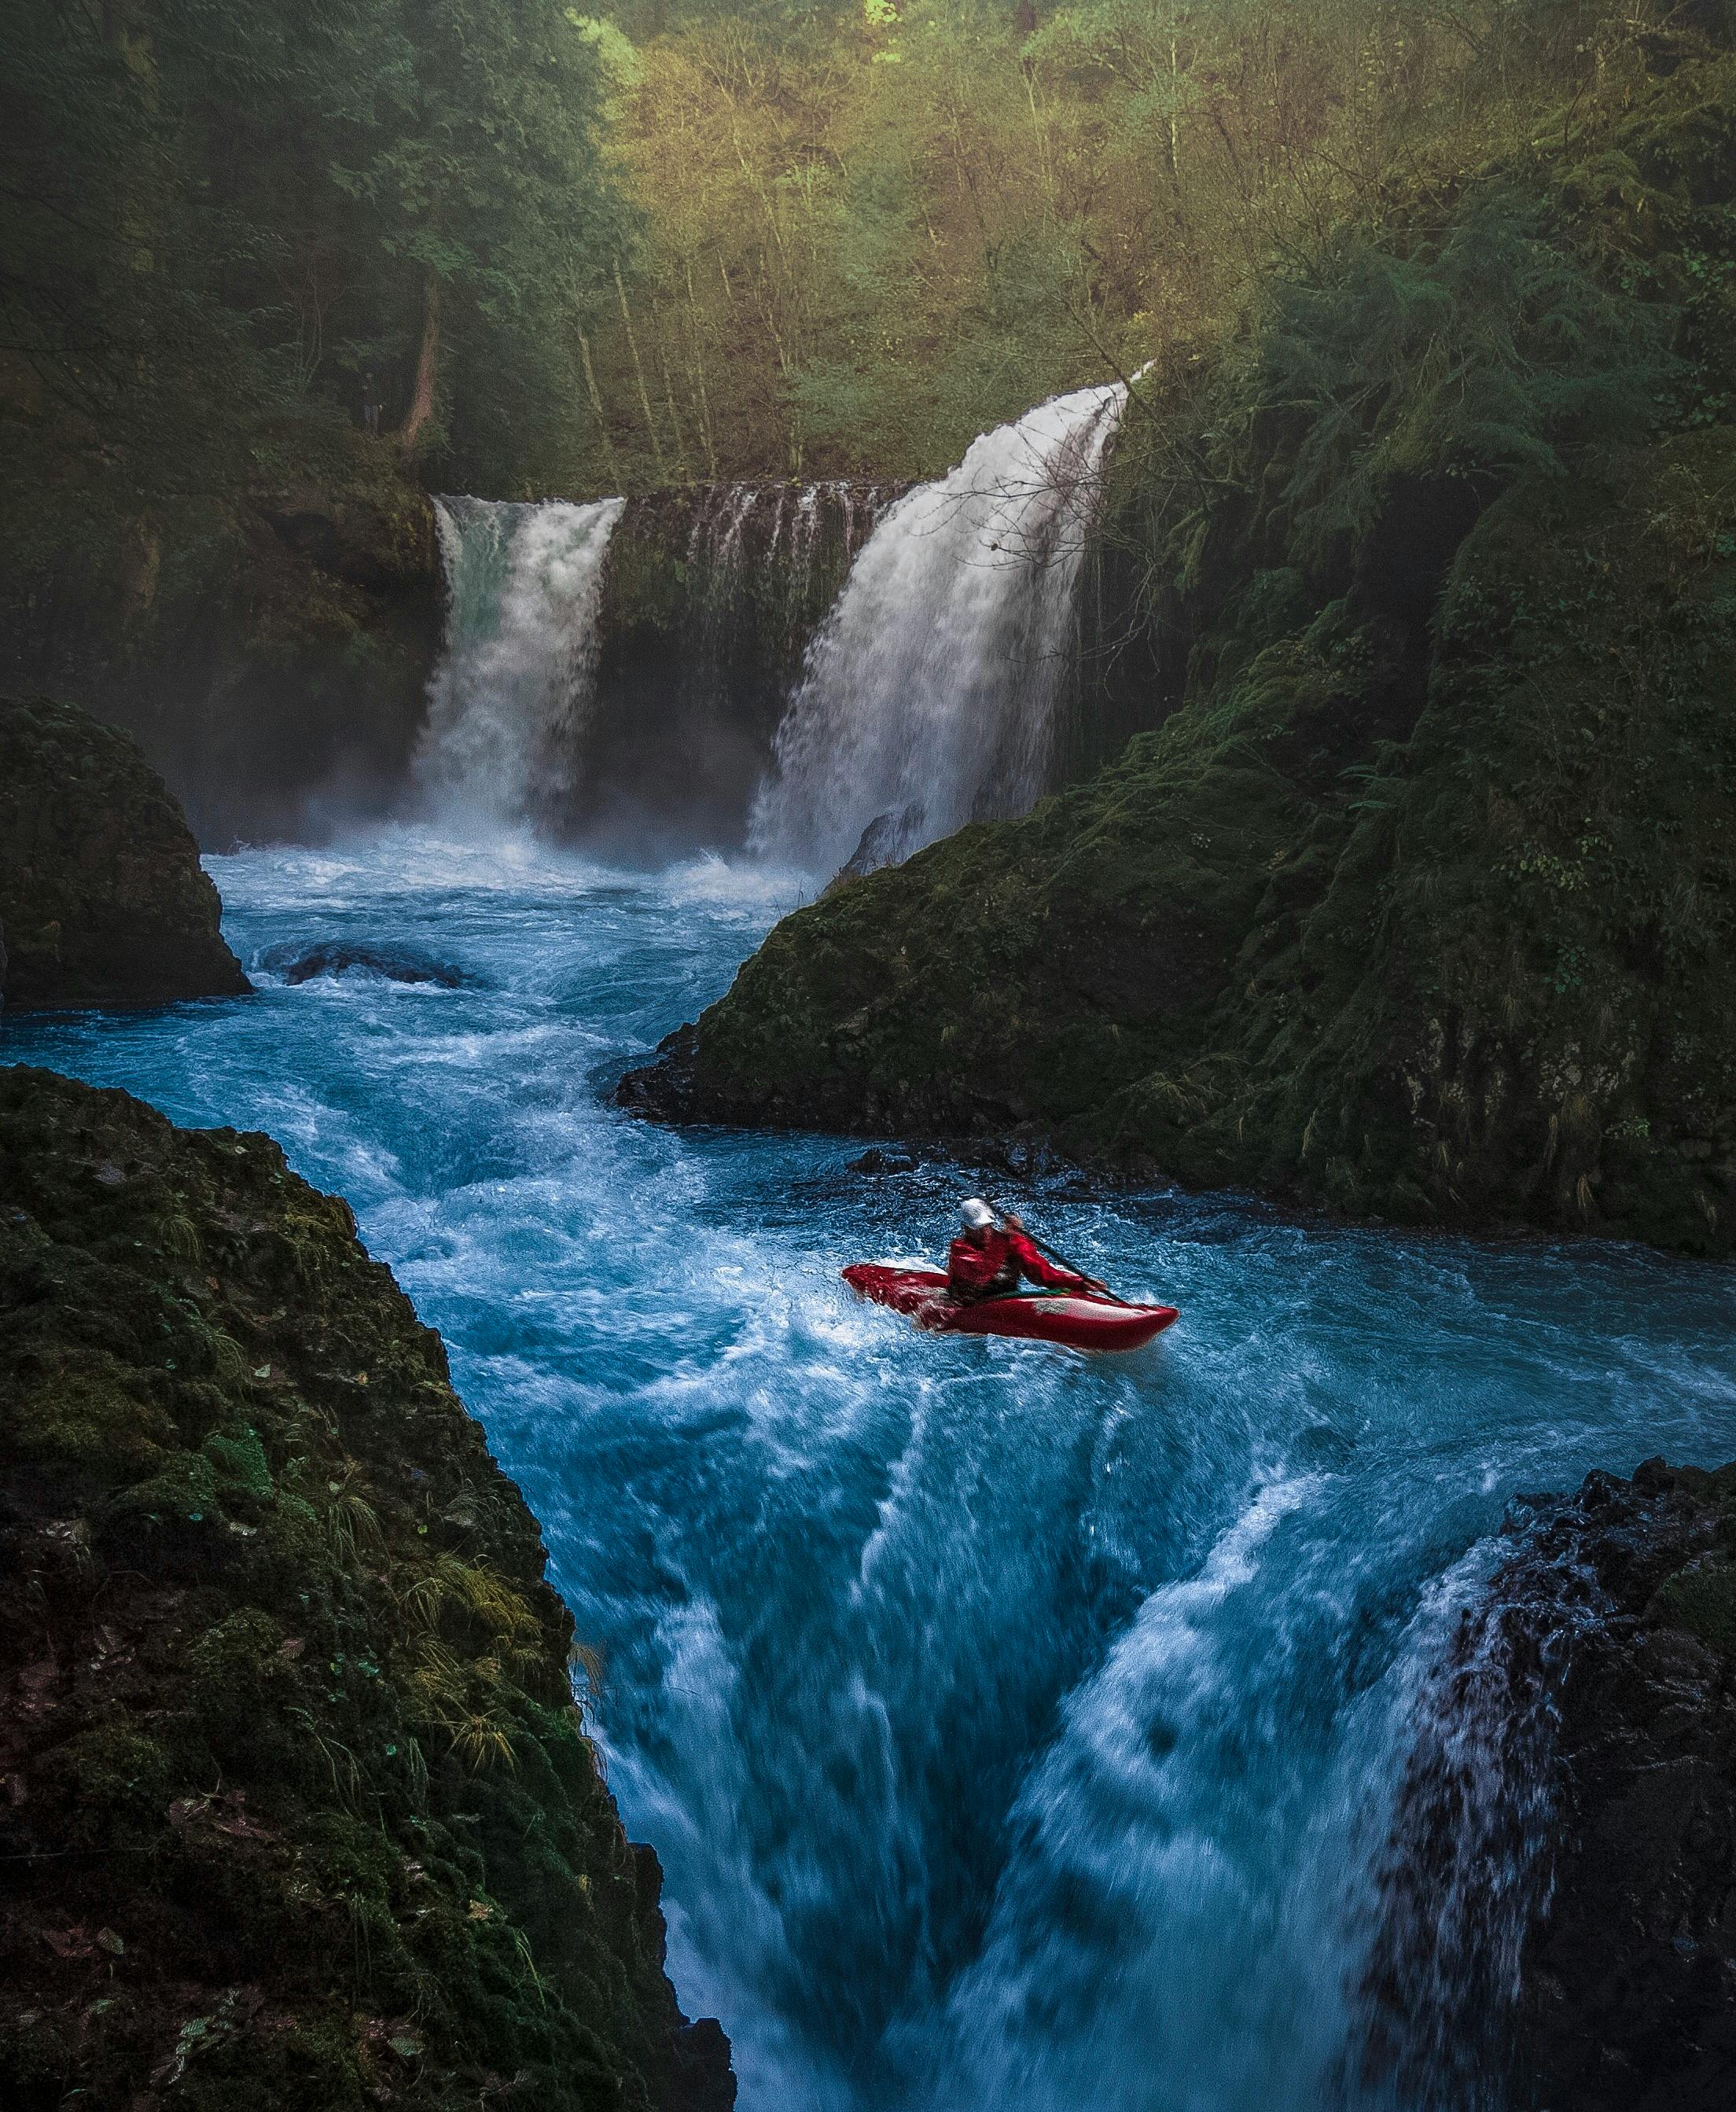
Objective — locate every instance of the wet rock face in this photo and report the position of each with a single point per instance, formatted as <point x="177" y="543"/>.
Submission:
<point x="103" y="898"/>
<point x="1560" y="1925"/>
<point x="302" y="963"/>
<point x="296" y="1814"/>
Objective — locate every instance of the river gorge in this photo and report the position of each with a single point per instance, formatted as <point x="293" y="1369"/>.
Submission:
<point x="1017" y="1730"/>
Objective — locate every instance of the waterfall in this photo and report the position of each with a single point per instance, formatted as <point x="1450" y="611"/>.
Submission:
<point x="1468" y="1867"/>
<point x="515" y="684"/>
<point x="777" y="531"/>
<point x="930" y="696"/>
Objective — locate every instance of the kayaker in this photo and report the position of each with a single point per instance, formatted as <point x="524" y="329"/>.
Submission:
<point x="988" y="1260"/>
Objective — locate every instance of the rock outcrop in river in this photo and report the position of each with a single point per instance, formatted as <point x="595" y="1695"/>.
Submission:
<point x="1562" y="1886"/>
<point x="296" y="1808"/>
<point x="103" y="898"/>
<point x="1419" y="902"/>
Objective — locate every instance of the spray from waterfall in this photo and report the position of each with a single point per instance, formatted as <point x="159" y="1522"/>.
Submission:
<point x="510" y="696"/>
<point x="930" y="696"/>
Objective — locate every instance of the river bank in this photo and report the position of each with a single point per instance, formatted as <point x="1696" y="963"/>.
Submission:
<point x="299" y="1810"/>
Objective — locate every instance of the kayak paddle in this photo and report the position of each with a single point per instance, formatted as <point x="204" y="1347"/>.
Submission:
<point x="1056" y="1255"/>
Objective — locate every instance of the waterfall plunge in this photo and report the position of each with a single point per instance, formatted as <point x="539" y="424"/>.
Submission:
<point x="523" y="583"/>
<point x="931" y="695"/>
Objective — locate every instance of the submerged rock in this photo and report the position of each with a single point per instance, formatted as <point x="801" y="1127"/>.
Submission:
<point x="103" y="897"/>
<point x="297" y="1812"/>
<point x="298" y="963"/>
<point x="876" y="1160"/>
<point x="1560" y="1882"/>
<point x="886" y="841"/>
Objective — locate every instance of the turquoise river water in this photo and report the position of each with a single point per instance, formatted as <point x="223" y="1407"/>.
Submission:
<point x="1020" y="1731"/>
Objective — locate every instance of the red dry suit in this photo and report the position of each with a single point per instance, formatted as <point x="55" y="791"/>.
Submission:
<point x="994" y="1268"/>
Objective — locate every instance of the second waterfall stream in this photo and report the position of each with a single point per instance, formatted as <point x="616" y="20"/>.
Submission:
<point x="930" y="696"/>
<point x="507" y="702"/>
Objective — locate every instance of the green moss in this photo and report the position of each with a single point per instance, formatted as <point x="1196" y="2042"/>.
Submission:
<point x="185" y="1489"/>
<point x="1702" y="1599"/>
<point x="321" y="1746"/>
<point x="111" y="1783"/>
<point x="1421" y="902"/>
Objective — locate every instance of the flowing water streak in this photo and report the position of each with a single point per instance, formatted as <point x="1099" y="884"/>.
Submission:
<point x="736" y="527"/>
<point x="1469" y="1863"/>
<point x="508" y="702"/>
<point x="1019" y="1731"/>
<point x="930" y="696"/>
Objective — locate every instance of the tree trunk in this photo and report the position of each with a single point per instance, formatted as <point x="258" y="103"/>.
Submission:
<point x="638" y="369"/>
<point x="596" y="397"/>
<point x="422" y="403"/>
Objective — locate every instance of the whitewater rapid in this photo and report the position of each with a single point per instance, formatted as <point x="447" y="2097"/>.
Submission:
<point x="1019" y="1732"/>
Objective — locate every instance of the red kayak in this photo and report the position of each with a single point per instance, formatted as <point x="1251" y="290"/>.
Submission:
<point x="1081" y="1320"/>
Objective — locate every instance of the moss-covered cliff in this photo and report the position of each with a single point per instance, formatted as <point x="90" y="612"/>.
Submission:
<point x="103" y="898"/>
<point x="1419" y="902"/>
<point x="297" y="1808"/>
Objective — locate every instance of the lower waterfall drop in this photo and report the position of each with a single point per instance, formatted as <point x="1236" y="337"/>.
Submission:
<point x="930" y="696"/>
<point x="515" y="684"/>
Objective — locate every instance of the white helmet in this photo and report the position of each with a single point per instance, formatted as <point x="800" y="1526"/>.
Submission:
<point x="976" y="1213"/>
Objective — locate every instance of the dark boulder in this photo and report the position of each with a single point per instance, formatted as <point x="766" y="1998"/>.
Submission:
<point x="102" y="897"/>
<point x="1561" y="1889"/>
<point x="298" y="961"/>
<point x="297" y="1812"/>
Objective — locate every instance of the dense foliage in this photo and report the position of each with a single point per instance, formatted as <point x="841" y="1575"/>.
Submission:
<point x="216" y="221"/>
<point x="1422" y="899"/>
<point x="871" y="230"/>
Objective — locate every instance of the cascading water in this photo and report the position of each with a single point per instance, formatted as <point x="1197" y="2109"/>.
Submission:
<point x="1020" y="1731"/>
<point x="645" y="712"/>
<point x="512" y="691"/>
<point x="930" y="696"/>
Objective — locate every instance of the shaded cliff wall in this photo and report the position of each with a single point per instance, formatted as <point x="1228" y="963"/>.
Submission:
<point x="711" y="597"/>
<point x="269" y="652"/>
<point x="298" y="1810"/>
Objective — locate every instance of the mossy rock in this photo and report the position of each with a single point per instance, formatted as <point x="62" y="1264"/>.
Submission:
<point x="103" y="897"/>
<point x="1702" y="1599"/>
<point x="300" y="1812"/>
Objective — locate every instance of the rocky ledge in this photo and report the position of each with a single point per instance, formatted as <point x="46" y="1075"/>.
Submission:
<point x="103" y="897"/>
<point x="1418" y="901"/>
<point x="296" y="1809"/>
<point x="1561" y="1883"/>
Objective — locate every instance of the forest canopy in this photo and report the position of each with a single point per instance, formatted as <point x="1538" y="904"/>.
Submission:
<point x="559" y="249"/>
